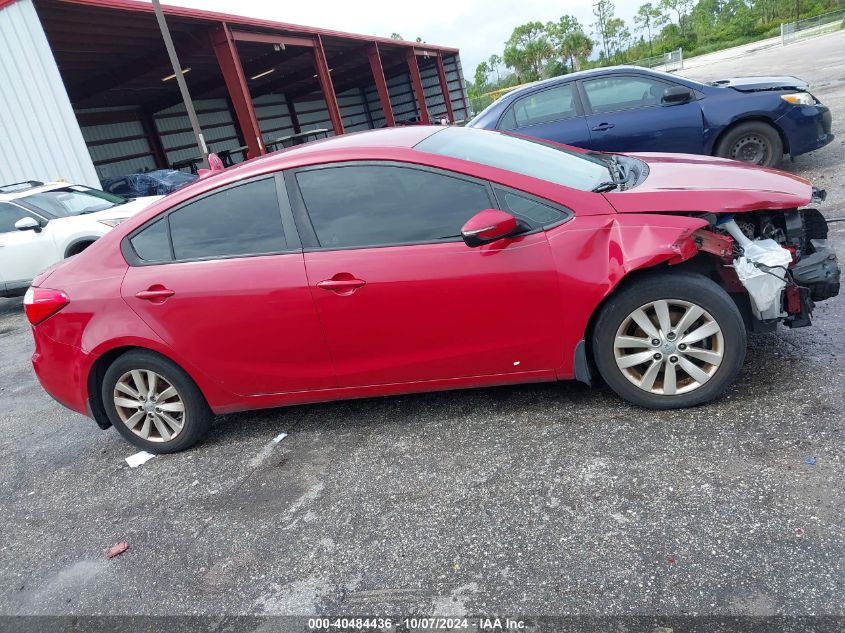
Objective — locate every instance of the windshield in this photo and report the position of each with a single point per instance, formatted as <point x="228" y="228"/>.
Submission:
<point x="74" y="200"/>
<point x="520" y="155"/>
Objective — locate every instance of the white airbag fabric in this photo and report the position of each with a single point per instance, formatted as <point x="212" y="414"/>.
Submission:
<point x="762" y="270"/>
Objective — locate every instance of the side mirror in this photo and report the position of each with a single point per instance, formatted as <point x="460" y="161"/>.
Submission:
<point x="677" y="94"/>
<point x="28" y="224"/>
<point x="488" y="226"/>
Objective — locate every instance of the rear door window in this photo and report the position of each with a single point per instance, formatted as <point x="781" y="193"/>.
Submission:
<point x="543" y="106"/>
<point x="237" y="221"/>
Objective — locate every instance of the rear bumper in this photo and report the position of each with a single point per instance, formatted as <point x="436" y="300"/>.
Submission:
<point x="807" y="128"/>
<point x="62" y="371"/>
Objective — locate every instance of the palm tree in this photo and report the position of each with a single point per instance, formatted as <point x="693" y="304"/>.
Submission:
<point x="577" y="46"/>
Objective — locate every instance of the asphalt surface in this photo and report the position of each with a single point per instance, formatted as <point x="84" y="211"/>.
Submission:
<point x="533" y="500"/>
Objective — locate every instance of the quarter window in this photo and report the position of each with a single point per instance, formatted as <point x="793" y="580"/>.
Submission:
<point x="378" y="205"/>
<point x="152" y="244"/>
<point x="540" y="107"/>
<point x="608" y="94"/>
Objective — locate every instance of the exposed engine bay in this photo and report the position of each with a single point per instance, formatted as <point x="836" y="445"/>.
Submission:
<point x="780" y="258"/>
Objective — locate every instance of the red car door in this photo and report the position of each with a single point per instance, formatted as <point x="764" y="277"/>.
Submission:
<point x="224" y="285"/>
<point x="402" y="298"/>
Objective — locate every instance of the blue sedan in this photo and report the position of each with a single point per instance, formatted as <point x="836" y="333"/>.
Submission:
<point x="632" y="109"/>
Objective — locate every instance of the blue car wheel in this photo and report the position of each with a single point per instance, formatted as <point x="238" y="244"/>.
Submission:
<point x="752" y="142"/>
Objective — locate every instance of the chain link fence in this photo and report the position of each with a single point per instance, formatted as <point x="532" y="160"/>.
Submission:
<point x="811" y="27"/>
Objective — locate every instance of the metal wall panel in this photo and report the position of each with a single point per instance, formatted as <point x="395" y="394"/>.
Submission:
<point x="40" y="134"/>
<point x="112" y="146"/>
<point x="216" y="122"/>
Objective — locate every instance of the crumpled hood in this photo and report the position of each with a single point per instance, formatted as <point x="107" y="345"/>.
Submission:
<point x="756" y="84"/>
<point x="688" y="182"/>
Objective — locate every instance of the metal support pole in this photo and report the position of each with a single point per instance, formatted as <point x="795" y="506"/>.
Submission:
<point x="183" y="86"/>
<point x="325" y="77"/>
<point x="444" y="87"/>
<point x="381" y="84"/>
<point x="416" y="81"/>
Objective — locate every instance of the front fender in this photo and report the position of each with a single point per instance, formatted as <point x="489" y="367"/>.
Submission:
<point x="594" y="254"/>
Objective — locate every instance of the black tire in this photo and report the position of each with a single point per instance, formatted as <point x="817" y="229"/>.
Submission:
<point x="196" y="418"/>
<point x="752" y="142"/>
<point x="681" y="286"/>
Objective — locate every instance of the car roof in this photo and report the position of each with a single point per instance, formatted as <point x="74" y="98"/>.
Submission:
<point x="403" y="137"/>
<point x="23" y="192"/>
<point x="583" y="74"/>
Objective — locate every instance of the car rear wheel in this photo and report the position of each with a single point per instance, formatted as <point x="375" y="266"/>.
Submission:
<point x="154" y="404"/>
<point x="670" y="341"/>
<point x="752" y="142"/>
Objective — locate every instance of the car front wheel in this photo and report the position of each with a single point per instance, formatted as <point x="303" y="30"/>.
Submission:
<point x="670" y="341"/>
<point x="153" y="403"/>
<point x="752" y="142"/>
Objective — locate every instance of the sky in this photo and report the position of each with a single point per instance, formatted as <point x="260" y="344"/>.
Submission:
<point x="478" y="28"/>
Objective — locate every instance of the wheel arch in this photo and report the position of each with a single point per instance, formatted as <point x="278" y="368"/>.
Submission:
<point x="751" y="118"/>
<point x="98" y="370"/>
<point x="73" y="248"/>
<point x="584" y="361"/>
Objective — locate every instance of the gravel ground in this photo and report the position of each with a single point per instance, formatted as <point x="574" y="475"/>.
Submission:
<point x="533" y="500"/>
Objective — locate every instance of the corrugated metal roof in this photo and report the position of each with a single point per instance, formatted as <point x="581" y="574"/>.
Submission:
<point x="41" y="136"/>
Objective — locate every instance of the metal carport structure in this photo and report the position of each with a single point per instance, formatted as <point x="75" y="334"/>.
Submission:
<point x="252" y="80"/>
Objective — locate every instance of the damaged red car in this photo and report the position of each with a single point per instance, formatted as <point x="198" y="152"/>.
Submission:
<point x="426" y="258"/>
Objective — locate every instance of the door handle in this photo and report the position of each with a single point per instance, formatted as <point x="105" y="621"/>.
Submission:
<point x="603" y="127"/>
<point x="155" y="294"/>
<point x="342" y="284"/>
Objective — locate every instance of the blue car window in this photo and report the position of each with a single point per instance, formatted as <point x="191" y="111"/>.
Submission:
<point x="540" y="107"/>
<point x="608" y="94"/>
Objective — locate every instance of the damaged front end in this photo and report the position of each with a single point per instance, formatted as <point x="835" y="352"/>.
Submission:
<point x="779" y="259"/>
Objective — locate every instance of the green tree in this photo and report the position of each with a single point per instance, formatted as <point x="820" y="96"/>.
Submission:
<point x="494" y="63"/>
<point x="647" y="17"/>
<point x="562" y="36"/>
<point x="618" y="38"/>
<point x="578" y="47"/>
<point x="680" y="8"/>
<point x="481" y="72"/>
<point x="396" y="36"/>
<point x="528" y="50"/>
<point x="603" y="11"/>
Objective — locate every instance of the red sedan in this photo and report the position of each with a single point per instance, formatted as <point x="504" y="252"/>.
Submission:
<point x="425" y="258"/>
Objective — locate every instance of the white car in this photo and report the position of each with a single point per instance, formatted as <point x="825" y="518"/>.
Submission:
<point x="42" y="224"/>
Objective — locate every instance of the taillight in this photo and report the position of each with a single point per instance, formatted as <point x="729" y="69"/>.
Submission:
<point x="41" y="303"/>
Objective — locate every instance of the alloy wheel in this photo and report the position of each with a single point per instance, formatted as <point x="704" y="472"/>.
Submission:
<point x="149" y="405"/>
<point x="669" y="347"/>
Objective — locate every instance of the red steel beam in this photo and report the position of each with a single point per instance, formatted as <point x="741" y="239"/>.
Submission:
<point x="444" y="87"/>
<point x="269" y="38"/>
<point x="381" y="84"/>
<point x="325" y="78"/>
<point x="416" y="80"/>
<point x="235" y="79"/>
